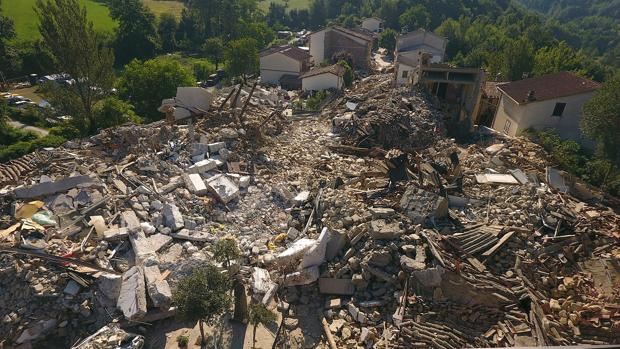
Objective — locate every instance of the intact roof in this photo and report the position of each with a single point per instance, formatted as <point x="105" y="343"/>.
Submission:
<point x="335" y="69"/>
<point x="402" y="37"/>
<point x="548" y="87"/>
<point x="375" y="18"/>
<point x="287" y="50"/>
<point x="352" y="32"/>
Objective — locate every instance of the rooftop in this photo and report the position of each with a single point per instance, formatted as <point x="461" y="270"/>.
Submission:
<point x="332" y="69"/>
<point x="548" y="87"/>
<point x="287" y="50"/>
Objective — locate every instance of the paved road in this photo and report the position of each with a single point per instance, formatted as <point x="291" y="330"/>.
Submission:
<point x="37" y="130"/>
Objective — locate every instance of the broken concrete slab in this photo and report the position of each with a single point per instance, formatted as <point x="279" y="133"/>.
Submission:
<point x="337" y="241"/>
<point x="159" y="241"/>
<point x="302" y="277"/>
<point x="336" y="286"/>
<point x="132" y="297"/>
<point x="224" y="188"/>
<point x="110" y="285"/>
<point x="216" y="147"/>
<point x="380" y="229"/>
<point x="410" y="264"/>
<point x="141" y="246"/>
<point x="301" y="198"/>
<point x="496" y="178"/>
<point x="203" y="166"/>
<point x="72" y="288"/>
<point x="49" y="188"/>
<point x="381" y="212"/>
<point x="131" y="221"/>
<point x="158" y="289"/>
<point x="115" y="234"/>
<point x="195" y="184"/>
<point x="192" y="235"/>
<point x="172" y="217"/>
<point x="419" y="205"/>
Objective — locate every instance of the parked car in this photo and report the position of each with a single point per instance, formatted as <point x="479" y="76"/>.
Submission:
<point x="16" y="99"/>
<point x="24" y="104"/>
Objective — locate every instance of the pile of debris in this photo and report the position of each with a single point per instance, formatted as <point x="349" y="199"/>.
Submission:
<point x="364" y="227"/>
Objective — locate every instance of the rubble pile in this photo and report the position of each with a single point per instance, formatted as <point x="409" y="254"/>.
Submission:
<point x="375" y="114"/>
<point x="365" y="227"/>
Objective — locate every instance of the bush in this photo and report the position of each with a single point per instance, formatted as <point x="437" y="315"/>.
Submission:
<point x="314" y="102"/>
<point x="202" y="69"/>
<point x="113" y="111"/>
<point x="22" y="148"/>
<point x="348" y="73"/>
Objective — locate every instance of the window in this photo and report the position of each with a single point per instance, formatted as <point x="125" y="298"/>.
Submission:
<point x="559" y="109"/>
<point x="405" y="73"/>
<point x="507" y="126"/>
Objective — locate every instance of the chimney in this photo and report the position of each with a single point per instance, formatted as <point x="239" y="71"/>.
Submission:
<point x="530" y="96"/>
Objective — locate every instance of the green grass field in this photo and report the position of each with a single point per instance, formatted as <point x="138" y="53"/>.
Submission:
<point x="297" y="4"/>
<point x="26" y="24"/>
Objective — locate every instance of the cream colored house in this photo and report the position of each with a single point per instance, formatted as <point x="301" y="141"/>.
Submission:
<point x="325" y="78"/>
<point x="409" y="48"/>
<point x="550" y="101"/>
<point x="282" y="65"/>
<point x="373" y="24"/>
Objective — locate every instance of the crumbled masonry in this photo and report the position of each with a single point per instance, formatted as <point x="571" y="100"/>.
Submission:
<point x="371" y="219"/>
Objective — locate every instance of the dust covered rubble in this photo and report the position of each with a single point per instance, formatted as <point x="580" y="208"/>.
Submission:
<point x="368" y="217"/>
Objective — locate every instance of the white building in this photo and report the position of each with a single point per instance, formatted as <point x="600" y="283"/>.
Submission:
<point x="410" y="46"/>
<point x="373" y="24"/>
<point x="325" y="78"/>
<point x="550" y="101"/>
<point x="282" y="65"/>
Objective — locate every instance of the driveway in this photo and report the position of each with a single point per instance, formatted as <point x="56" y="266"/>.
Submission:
<point x="40" y="131"/>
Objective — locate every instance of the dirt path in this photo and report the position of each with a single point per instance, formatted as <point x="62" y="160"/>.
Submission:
<point x="37" y="130"/>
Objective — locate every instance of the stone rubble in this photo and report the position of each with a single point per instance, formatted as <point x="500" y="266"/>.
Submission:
<point x="371" y="219"/>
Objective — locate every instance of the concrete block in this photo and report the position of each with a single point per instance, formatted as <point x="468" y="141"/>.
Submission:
<point x="244" y="181"/>
<point x="110" y="285"/>
<point x="172" y="217"/>
<point x="131" y="221"/>
<point x="223" y="188"/>
<point x="195" y="184"/>
<point x="203" y="166"/>
<point x="337" y="241"/>
<point x="132" y="297"/>
<point x="159" y="290"/>
<point x="159" y="241"/>
<point x="72" y="288"/>
<point x="380" y="229"/>
<point x="116" y="234"/>
<point x="215" y="147"/>
<point x="301" y="198"/>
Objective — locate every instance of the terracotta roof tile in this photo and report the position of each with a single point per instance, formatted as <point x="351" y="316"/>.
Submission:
<point x="333" y="69"/>
<point x="548" y="87"/>
<point x="287" y="50"/>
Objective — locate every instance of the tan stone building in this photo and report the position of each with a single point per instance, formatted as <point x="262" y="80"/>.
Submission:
<point x="550" y="101"/>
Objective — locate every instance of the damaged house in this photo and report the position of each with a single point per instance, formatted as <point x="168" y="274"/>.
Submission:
<point x="282" y="65"/>
<point x="333" y="41"/>
<point x="373" y="24"/>
<point x="409" y="48"/>
<point x="549" y="101"/>
<point x="458" y="90"/>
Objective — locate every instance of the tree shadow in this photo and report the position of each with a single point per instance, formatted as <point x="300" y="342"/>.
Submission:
<point x="238" y="334"/>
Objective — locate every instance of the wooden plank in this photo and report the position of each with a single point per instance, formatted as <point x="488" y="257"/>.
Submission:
<point x="498" y="245"/>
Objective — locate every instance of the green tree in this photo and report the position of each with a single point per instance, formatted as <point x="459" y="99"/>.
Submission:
<point x="415" y="17"/>
<point x="317" y="13"/>
<point x="555" y="59"/>
<point x="8" y="56"/>
<point x="387" y="40"/>
<point x="192" y="29"/>
<point x="226" y="250"/>
<point x="80" y="51"/>
<point x="242" y="57"/>
<point x="276" y="14"/>
<point x="601" y="118"/>
<point x="348" y="73"/>
<point x="146" y="84"/>
<point x="203" y="296"/>
<point x="213" y="48"/>
<point x="136" y="35"/>
<point x="260" y="315"/>
<point x="518" y="57"/>
<point x="113" y="111"/>
<point x="167" y="29"/>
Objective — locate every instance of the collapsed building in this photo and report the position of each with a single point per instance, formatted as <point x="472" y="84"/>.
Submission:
<point x="365" y="226"/>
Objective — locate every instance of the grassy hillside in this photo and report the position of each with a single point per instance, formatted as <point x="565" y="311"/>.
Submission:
<point x="22" y="13"/>
<point x="165" y="6"/>
<point x="26" y="25"/>
<point x="291" y="4"/>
